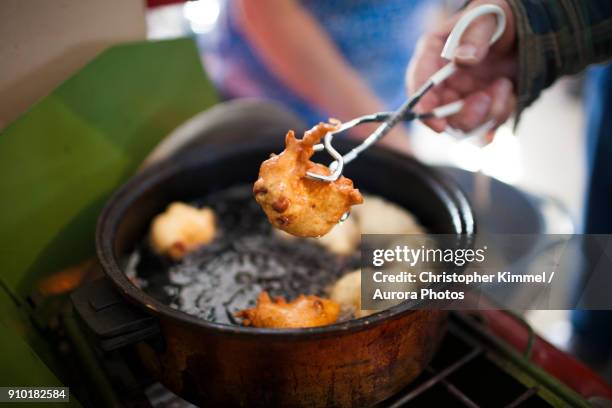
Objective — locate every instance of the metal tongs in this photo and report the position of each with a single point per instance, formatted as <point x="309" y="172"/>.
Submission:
<point x="405" y="112"/>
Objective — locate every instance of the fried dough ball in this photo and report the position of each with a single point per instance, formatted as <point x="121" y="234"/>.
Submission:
<point x="295" y="203"/>
<point x="305" y="311"/>
<point x="341" y="240"/>
<point x="181" y="229"/>
<point x="380" y="216"/>
<point x="375" y="216"/>
<point x="347" y="292"/>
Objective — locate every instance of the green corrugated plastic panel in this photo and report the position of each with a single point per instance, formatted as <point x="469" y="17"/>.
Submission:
<point x="60" y="161"/>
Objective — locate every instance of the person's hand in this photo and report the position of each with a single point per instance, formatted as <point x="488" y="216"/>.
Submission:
<point x="484" y="80"/>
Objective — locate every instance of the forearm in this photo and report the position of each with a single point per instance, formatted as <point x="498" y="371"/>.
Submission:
<point x="556" y="38"/>
<point x="293" y="46"/>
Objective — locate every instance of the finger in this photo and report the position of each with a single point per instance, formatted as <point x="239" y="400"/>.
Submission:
<point x="501" y="93"/>
<point x="449" y="95"/>
<point x="474" y="113"/>
<point x="462" y="82"/>
<point x="475" y="40"/>
<point x="430" y="101"/>
<point x="510" y="107"/>
<point x="489" y="136"/>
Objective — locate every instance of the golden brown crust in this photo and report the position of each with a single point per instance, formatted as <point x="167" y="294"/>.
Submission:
<point x="295" y="203"/>
<point x="305" y="311"/>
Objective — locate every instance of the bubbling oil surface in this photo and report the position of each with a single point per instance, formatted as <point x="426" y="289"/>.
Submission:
<point x="245" y="258"/>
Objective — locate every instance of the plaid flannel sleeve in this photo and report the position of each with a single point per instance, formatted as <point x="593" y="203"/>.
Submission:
<point x="558" y="37"/>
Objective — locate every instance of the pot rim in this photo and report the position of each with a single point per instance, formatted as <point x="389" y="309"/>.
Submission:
<point x="113" y="212"/>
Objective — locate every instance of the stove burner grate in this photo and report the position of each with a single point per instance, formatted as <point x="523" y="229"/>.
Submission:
<point x="468" y="372"/>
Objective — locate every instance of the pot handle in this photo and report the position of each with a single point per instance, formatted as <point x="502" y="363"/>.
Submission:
<point x="113" y="322"/>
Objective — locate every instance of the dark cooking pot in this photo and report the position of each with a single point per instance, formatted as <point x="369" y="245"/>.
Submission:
<point x="355" y="363"/>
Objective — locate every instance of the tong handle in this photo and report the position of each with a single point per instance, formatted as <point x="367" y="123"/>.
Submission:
<point x="452" y="42"/>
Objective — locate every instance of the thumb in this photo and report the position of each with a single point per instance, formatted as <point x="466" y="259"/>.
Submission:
<point x="475" y="41"/>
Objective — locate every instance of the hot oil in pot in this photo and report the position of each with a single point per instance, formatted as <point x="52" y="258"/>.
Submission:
<point x="245" y="258"/>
